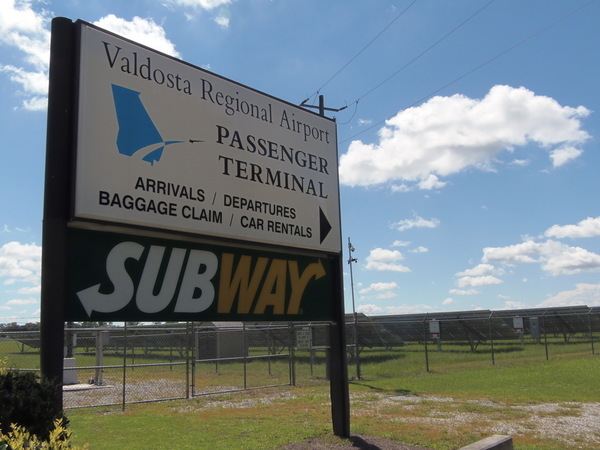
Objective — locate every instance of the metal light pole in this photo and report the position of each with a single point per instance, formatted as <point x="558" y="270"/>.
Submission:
<point x="350" y="261"/>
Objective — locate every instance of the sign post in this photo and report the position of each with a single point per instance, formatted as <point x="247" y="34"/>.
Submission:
<point x="56" y="201"/>
<point x="185" y="196"/>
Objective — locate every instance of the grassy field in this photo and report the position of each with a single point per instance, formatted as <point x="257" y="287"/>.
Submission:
<point x="396" y="397"/>
<point x="273" y="418"/>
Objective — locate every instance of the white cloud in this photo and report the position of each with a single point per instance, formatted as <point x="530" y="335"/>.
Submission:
<point x="431" y="182"/>
<point x="478" y="281"/>
<point x="364" y="122"/>
<point x="379" y="287"/>
<point x="555" y="257"/>
<point x="20" y="263"/>
<point x="464" y="291"/>
<point x="447" y="135"/>
<point x="589" y="227"/>
<point x="144" y="31"/>
<point x="26" y="30"/>
<point x="401" y="244"/>
<point x="372" y="309"/>
<point x="7" y="229"/>
<point x="514" y="305"/>
<point x="32" y="82"/>
<point x="563" y="155"/>
<point x="520" y="162"/>
<point x="204" y="4"/>
<point x="480" y="269"/>
<point x="222" y="21"/>
<point x="401" y="188"/>
<point x="22" y="27"/>
<point x="512" y="254"/>
<point x="560" y="259"/>
<point x="385" y="260"/>
<point x="381" y="290"/>
<point x="20" y="268"/>
<point x="415" y="222"/>
<point x="583" y="294"/>
<point x="448" y="301"/>
<point x="30" y="290"/>
<point x="22" y="302"/>
<point x="419" y="249"/>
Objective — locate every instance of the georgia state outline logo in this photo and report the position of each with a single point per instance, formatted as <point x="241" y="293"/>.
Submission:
<point x="138" y="135"/>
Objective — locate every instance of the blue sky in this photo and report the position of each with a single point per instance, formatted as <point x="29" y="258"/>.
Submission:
<point x="468" y="146"/>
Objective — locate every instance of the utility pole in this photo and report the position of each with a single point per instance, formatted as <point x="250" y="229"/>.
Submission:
<point x="356" y="351"/>
<point x="321" y="106"/>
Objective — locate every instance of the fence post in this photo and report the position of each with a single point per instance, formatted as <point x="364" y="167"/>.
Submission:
<point x="491" y="339"/>
<point x="545" y="334"/>
<point x="270" y="348"/>
<point x="311" y="350"/>
<point x="124" y="362"/>
<point x="194" y="356"/>
<point x="292" y="356"/>
<point x="591" y="330"/>
<point x="99" y="358"/>
<point x="187" y="359"/>
<point x="426" y="350"/>
<point x="246" y="349"/>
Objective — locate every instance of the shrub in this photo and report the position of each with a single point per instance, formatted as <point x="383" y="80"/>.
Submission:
<point x="19" y="438"/>
<point x="29" y="402"/>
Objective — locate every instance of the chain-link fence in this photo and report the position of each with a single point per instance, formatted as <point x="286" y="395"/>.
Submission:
<point x="117" y="365"/>
<point x="123" y="364"/>
<point x="433" y="341"/>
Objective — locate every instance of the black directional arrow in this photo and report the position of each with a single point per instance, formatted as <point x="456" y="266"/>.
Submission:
<point x="324" y="225"/>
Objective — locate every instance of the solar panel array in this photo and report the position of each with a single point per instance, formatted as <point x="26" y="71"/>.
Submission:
<point x="485" y="325"/>
<point x="386" y="331"/>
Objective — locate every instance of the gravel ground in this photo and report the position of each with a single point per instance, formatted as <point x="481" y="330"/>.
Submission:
<point x="570" y="422"/>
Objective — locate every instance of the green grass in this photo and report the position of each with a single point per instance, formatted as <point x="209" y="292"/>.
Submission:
<point x="19" y="356"/>
<point x="560" y="380"/>
<point x="190" y="424"/>
<point x="274" y="417"/>
<point x="569" y="376"/>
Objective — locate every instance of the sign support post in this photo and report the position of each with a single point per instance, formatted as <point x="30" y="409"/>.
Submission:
<point x="56" y="201"/>
<point x="338" y="383"/>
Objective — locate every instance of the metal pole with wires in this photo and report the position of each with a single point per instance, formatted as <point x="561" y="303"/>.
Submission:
<point x="355" y="327"/>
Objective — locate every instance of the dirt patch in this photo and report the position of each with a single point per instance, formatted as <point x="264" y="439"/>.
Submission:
<point x="358" y="441"/>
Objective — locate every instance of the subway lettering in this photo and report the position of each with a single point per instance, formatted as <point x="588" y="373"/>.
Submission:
<point x="158" y="278"/>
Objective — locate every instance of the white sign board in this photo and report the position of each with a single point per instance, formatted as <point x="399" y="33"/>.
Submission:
<point x="518" y="324"/>
<point x="434" y="327"/>
<point x="167" y="145"/>
<point x="303" y="338"/>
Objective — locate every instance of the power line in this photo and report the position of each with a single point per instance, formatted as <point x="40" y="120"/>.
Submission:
<point x="355" y="102"/>
<point x="483" y="64"/>
<point x="362" y="50"/>
<point x="425" y="51"/>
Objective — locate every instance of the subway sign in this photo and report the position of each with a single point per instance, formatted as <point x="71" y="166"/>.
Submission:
<point x="123" y="277"/>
